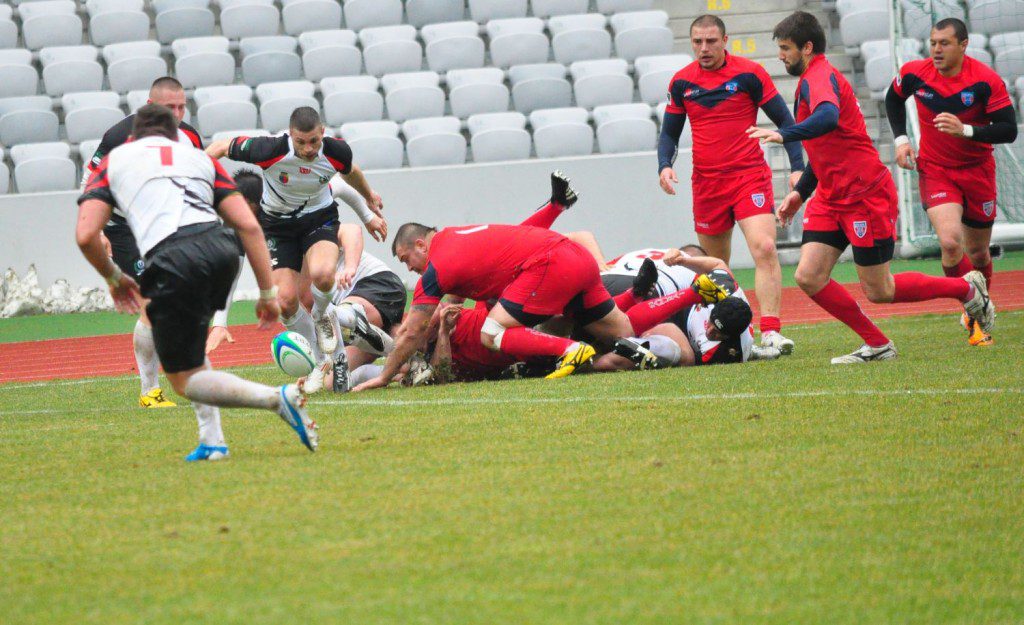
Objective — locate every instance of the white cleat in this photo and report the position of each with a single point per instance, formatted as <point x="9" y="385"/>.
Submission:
<point x="980" y="307"/>
<point x="777" y="341"/>
<point x="366" y="336"/>
<point x="292" y="411"/>
<point x="314" y="382"/>
<point x="765" y="352"/>
<point x="327" y="331"/>
<point x="867" y="354"/>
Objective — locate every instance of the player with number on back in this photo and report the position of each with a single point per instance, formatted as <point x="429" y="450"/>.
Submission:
<point x="963" y="108"/>
<point x="732" y="183"/>
<point x="171" y="195"/>
<point x="855" y="203"/>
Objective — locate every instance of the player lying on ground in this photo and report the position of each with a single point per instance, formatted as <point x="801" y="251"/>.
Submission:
<point x="856" y="201"/>
<point x="171" y="195"/>
<point x="963" y="108"/>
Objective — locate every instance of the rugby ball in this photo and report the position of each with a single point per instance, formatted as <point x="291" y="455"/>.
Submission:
<point x="292" y="352"/>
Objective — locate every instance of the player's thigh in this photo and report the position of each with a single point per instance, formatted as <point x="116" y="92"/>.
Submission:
<point x="760" y="233"/>
<point x="612" y="362"/>
<point x="717" y="245"/>
<point x="877" y="282"/>
<point x="612" y="326"/>
<point x="676" y="334"/>
<point x="500" y="314"/>
<point x="976" y="244"/>
<point x="947" y="219"/>
<point x="321" y="260"/>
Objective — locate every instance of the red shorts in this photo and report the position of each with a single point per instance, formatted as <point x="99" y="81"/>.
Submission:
<point x="565" y="279"/>
<point x="973" y="187"/>
<point x="718" y="203"/>
<point x="869" y="225"/>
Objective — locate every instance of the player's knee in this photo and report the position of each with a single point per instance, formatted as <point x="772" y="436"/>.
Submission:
<point x="289" y="303"/>
<point x="879" y="293"/>
<point x="764" y="250"/>
<point x="979" y="255"/>
<point x="491" y="333"/>
<point x="951" y="246"/>
<point x="809" y="280"/>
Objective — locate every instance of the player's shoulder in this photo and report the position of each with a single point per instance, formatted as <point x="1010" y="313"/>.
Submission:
<point x="337" y="149"/>
<point x="687" y="72"/>
<point x="119" y="133"/>
<point x="192" y="134"/>
<point x="980" y="71"/>
<point x="741" y="64"/>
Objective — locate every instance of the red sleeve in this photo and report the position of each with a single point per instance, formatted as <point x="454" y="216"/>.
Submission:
<point x="999" y="99"/>
<point x="223" y="183"/>
<point x="768" y="90"/>
<point x="822" y="87"/>
<point x="428" y="289"/>
<point x="420" y="297"/>
<point x="98" y="186"/>
<point x="675" y="96"/>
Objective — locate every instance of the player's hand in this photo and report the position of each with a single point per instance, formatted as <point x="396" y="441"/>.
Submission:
<point x="218" y="334"/>
<point x="789" y="207"/>
<point x="905" y="156"/>
<point x="673" y="257"/>
<point x="267" y="311"/>
<point x="378" y="228"/>
<point x="450" y="317"/>
<point x="344" y="277"/>
<point x="377" y="382"/>
<point x="667" y="178"/>
<point x="126" y="295"/>
<point x="950" y="124"/>
<point x="794" y="178"/>
<point x="764" y="135"/>
<point x="376" y="204"/>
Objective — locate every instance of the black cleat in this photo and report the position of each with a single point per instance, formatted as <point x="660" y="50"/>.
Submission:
<point x="646" y="278"/>
<point x="339" y="374"/>
<point x="561" y="191"/>
<point x="640" y="354"/>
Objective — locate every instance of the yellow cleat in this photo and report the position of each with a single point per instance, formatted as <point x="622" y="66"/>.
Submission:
<point x="155" y="399"/>
<point x="576" y="357"/>
<point x="979" y="338"/>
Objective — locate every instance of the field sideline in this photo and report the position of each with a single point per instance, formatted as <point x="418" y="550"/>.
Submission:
<point x="777" y="492"/>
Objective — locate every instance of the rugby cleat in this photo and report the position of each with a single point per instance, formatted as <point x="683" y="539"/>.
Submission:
<point x="867" y="354"/>
<point x="714" y="286"/>
<point x="562" y="192"/>
<point x="640" y="354"/>
<point x="978" y="337"/>
<point x="155" y="399"/>
<point x="777" y="341"/>
<point x="207" y="452"/>
<point x="980" y="306"/>
<point x="293" y="412"/>
<point x="314" y="382"/>
<point x="339" y="373"/>
<point x="577" y="356"/>
<point x="367" y="336"/>
<point x="327" y="332"/>
<point x="966" y="322"/>
<point x="420" y="372"/>
<point x="764" y="352"/>
<point x="646" y="278"/>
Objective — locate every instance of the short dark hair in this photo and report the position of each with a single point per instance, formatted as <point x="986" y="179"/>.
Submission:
<point x="250" y="185"/>
<point x="407" y="235"/>
<point x="959" y="28"/>
<point x="304" y="119"/>
<point x="801" y="27"/>
<point x="704" y="21"/>
<point x="155" y="120"/>
<point x="731" y="316"/>
<point x="694" y="246"/>
<point x="166" y="82"/>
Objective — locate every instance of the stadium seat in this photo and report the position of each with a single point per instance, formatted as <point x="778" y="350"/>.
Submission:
<point x="42" y="174"/>
<point x="562" y="132"/>
<point x="453" y="45"/>
<point x="567" y="115"/>
<point x="655" y="72"/>
<point x="539" y="86"/>
<point x="625" y="128"/>
<point x="18" y="80"/>
<point x="1010" y="63"/>
<point x="360" y="14"/>
<point x="423" y="12"/>
<point x="228" y="4"/>
<point x="176" y="24"/>
<point x="135" y="49"/>
<point x="1005" y="41"/>
<point x="361" y="130"/>
<point x="6" y="14"/>
<point x="88" y="115"/>
<point x="219" y="116"/>
<point x="473" y="91"/>
<point x="204" y="69"/>
<point x="55" y="54"/>
<point x="5" y="176"/>
<point x="233" y="167"/>
<point x="69" y="76"/>
<point x="195" y="45"/>
<point x="118" y="26"/>
<point x="137" y="99"/>
<point x="89" y="99"/>
<point x="15" y="56"/>
<point x="375" y="145"/>
<point x="499" y="137"/>
<point x="483" y="11"/>
<point x="270" y="43"/>
<point x="391" y="49"/>
<point x="313" y="39"/>
<point x="8" y="34"/>
<point x="325" y="61"/>
<point x="517" y="41"/>
<point x="250" y="20"/>
<point x="162" y="6"/>
<point x="580" y="37"/>
<point x="996" y="16"/>
<point x="269" y="59"/>
<point x="621" y="22"/>
<point x="311" y="15"/>
<point x="434" y="141"/>
<point x="413" y="95"/>
<point x="918" y="20"/>
<point x="844" y="7"/>
<point x="616" y="6"/>
<point x="25" y="103"/>
<point x="274" y="114"/>
<point x="28" y="126"/>
<point x="97" y="7"/>
<point x="351" y="99"/>
<point x="46" y="149"/>
<point x="863" y="25"/>
<point x="52" y="30"/>
<point x="605" y="81"/>
<point x="641" y="33"/>
<point x="224" y="93"/>
<point x="293" y="88"/>
<point x="872" y="49"/>
<point x="135" y="73"/>
<point x="982" y="55"/>
<point x="547" y="8"/>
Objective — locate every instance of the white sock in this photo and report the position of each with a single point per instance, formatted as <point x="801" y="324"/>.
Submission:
<point x="346" y="315"/>
<point x="302" y="323"/>
<point x="321" y="300"/>
<point x="145" y="357"/>
<point x="219" y="388"/>
<point x="209" y="425"/>
<point x="364" y="373"/>
<point x="663" y="347"/>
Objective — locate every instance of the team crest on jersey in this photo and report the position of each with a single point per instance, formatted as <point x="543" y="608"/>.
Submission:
<point x="731" y="87"/>
<point x="305" y="170"/>
<point x="988" y="208"/>
<point x="967" y="97"/>
<point x="757" y="199"/>
<point x="324" y="179"/>
<point x="140" y="266"/>
<point x="283" y="177"/>
<point x="860" y="228"/>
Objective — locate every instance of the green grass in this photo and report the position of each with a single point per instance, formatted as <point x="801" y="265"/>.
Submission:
<point x="42" y="327"/>
<point x="781" y="492"/>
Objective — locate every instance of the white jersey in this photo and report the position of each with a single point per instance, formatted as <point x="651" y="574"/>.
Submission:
<point x="697" y="324"/>
<point x="369" y="265"/>
<point x="160" y="186"/>
<point x="670" y="278"/>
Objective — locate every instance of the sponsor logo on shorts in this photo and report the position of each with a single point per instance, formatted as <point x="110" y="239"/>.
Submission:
<point x="272" y="244"/>
<point x="140" y="266"/>
<point x="757" y="199"/>
<point x="731" y="87"/>
<point x="967" y="97"/>
<point x="860" y="228"/>
<point x="283" y="177"/>
<point x="989" y="208"/>
<point x="305" y="170"/>
<point x="936" y="196"/>
<point x="703" y="224"/>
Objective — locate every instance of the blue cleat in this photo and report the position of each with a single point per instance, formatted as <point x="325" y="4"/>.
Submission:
<point x="293" y="413"/>
<point x="207" y="452"/>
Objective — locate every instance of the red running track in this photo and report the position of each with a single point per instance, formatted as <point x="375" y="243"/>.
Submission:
<point x="112" y="355"/>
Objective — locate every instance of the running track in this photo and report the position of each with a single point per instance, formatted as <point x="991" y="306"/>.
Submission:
<point x="112" y="355"/>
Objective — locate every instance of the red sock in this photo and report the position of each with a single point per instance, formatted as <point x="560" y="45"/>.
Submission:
<point x="625" y="300"/>
<point x="770" y="324"/>
<point x="544" y="216"/>
<point x="646" y="315"/>
<point x="838" y="302"/>
<point x="958" y="270"/>
<point x="912" y="286"/>
<point x="526" y="343"/>
<point x="987" y="272"/>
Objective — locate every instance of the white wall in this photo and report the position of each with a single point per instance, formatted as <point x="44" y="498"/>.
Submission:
<point x="620" y="201"/>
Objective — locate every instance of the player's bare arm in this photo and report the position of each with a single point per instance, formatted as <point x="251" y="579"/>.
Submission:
<point x="441" y="361"/>
<point x="350" y="238"/>
<point x="93" y="214"/>
<point x="236" y="214"/>
<point x="219" y="149"/>
<point x="410" y="335"/>
<point x="697" y="264"/>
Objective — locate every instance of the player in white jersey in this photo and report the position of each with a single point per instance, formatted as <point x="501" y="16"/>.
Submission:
<point x="171" y="196"/>
<point x="299" y="215"/>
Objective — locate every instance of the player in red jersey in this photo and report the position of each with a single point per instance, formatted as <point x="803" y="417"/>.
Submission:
<point x="963" y="108"/>
<point x="855" y="202"/>
<point x="732" y="183"/>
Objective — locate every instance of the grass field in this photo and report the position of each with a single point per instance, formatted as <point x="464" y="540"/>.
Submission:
<point x="779" y="492"/>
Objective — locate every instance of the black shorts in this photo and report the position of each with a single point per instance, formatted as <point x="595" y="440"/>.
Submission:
<point x="188" y="277"/>
<point x="124" y="250"/>
<point x="289" y="238"/>
<point x="880" y="252"/>
<point x="387" y="293"/>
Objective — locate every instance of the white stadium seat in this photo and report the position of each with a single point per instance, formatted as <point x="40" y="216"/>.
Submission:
<point x="135" y="73"/>
<point x="136" y="99"/>
<point x="617" y="6"/>
<point x="860" y="26"/>
<point x="225" y="115"/>
<point x="996" y="16"/>
<point x="205" y="69"/>
<point x="351" y="99"/>
<point x="517" y="41"/>
<point x="360" y="14"/>
<point x="423" y="12"/>
<point x="499" y="137"/>
<point x="8" y="33"/>
<point x="413" y="95"/>
<point x="539" y="86"/>
<point x="15" y="56"/>
<point x="843" y="7"/>
<point x="269" y="59"/>
<point x="547" y="8"/>
<point x="568" y="115"/>
<point x="162" y="6"/>
<point x="195" y="45"/>
<point x="391" y="49"/>
<point x="562" y="132"/>
<point x="492" y="121"/>
<point x="473" y="91"/>
<point x="228" y="4"/>
<point x="293" y="88"/>
<point x="250" y="20"/>
<point x="313" y="39"/>
<point x="482" y="11"/>
<point x="5" y="177"/>
<point x="87" y="123"/>
<point x="47" y="149"/>
<point x="625" y="128"/>
<point x="89" y="99"/>
<point x="26" y="103"/>
<point x="621" y="22"/>
<point x="38" y="175"/>
<point x="325" y="61"/>
<point x="269" y="43"/>
<point x="362" y="130"/>
<point x="1010" y="63"/>
<point x="375" y="145"/>
<point x="52" y="30"/>
<point x="97" y="7"/>
<point x="134" y="49"/>
<point x="28" y="126"/>
<point x="118" y="26"/>
<point x="434" y="141"/>
<point x="18" y="80"/>
<point x="872" y="49"/>
<point x="55" y="54"/>
<point x="655" y="72"/>
<point x="86" y="150"/>
<point x="601" y="82"/>
<point x="918" y="20"/>
<point x="580" y="37"/>
<point x="430" y="125"/>
<point x="641" y="33"/>
<point x="68" y="76"/>
<point x="274" y="114"/>
<point x="453" y="45"/>
<point x="225" y="93"/>
<point x="311" y="15"/>
<point x="1005" y="41"/>
<point x="176" y="24"/>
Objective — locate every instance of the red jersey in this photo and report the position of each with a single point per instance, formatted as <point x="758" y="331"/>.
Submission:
<point x="844" y="160"/>
<point x="721" y="106"/>
<point x="478" y="262"/>
<point x="971" y="95"/>
<point x="470" y="359"/>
